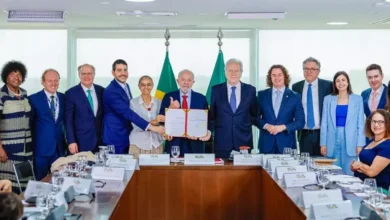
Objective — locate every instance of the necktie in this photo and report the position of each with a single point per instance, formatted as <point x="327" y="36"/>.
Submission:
<point x="309" y="108"/>
<point x="128" y="92"/>
<point x="185" y="103"/>
<point x="233" y="101"/>
<point x="90" y="100"/>
<point x="52" y="107"/>
<point x="374" y="103"/>
<point x="277" y="102"/>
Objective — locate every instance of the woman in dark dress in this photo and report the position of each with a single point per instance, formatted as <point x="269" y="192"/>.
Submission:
<point x="375" y="156"/>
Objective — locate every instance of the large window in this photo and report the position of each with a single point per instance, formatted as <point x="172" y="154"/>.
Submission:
<point x="38" y="50"/>
<point x="348" y="50"/>
<point x="145" y="56"/>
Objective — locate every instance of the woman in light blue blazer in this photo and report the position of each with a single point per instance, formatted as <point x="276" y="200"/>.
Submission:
<point x="342" y="125"/>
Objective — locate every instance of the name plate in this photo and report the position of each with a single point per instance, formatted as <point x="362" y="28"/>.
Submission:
<point x="280" y="171"/>
<point x="128" y="164"/>
<point x="299" y="179"/>
<point x="268" y="156"/>
<point x="154" y="159"/>
<point x="34" y="187"/>
<point x="108" y="173"/>
<point x="321" y="196"/>
<point x="199" y="159"/>
<point x="80" y="185"/>
<point x="124" y="156"/>
<point x="334" y="210"/>
<point x="277" y="163"/>
<point x="247" y="159"/>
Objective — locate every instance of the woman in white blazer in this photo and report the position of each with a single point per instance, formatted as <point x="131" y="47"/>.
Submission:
<point x="342" y="125"/>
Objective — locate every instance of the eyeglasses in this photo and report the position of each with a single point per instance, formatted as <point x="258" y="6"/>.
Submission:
<point x="379" y="122"/>
<point x="310" y="69"/>
<point x="144" y="85"/>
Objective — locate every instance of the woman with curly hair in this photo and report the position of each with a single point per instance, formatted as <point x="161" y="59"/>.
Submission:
<point x="15" y="132"/>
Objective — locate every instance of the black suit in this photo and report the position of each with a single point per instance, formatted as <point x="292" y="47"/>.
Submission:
<point x="309" y="140"/>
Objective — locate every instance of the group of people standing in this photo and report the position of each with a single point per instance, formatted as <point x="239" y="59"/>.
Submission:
<point x="46" y="125"/>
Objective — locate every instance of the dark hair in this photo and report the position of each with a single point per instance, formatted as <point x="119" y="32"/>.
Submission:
<point x="287" y="78"/>
<point x="335" y="90"/>
<point x="145" y="77"/>
<point x="119" y="61"/>
<point x="13" y="66"/>
<point x="374" y="67"/>
<point x="11" y="207"/>
<point x="367" y="126"/>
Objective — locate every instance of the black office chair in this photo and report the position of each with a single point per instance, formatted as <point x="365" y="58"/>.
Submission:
<point x="22" y="171"/>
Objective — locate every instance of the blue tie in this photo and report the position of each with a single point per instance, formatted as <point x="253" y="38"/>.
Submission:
<point x="278" y="102"/>
<point x="52" y="107"/>
<point x="309" y="109"/>
<point x="233" y="99"/>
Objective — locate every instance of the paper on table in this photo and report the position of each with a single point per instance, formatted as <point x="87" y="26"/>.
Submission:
<point x="175" y="122"/>
<point x="197" y="123"/>
<point x="343" y="178"/>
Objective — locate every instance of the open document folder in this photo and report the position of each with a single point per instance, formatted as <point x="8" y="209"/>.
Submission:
<point x="186" y="122"/>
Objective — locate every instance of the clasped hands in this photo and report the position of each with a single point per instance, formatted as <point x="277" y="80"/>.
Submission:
<point x="275" y="129"/>
<point x="356" y="166"/>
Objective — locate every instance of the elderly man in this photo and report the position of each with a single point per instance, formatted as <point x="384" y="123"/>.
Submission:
<point x="233" y="111"/>
<point x="47" y="108"/>
<point x="84" y="112"/>
<point x="185" y="98"/>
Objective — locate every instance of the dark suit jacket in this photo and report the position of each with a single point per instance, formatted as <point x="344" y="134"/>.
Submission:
<point x="48" y="134"/>
<point x="233" y="130"/>
<point x="291" y="115"/>
<point x="118" y="116"/>
<point x="198" y="101"/>
<point x="82" y="126"/>
<point x="325" y="88"/>
<point x="366" y="95"/>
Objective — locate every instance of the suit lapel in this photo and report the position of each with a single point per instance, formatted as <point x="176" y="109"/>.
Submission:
<point x="120" y="89"/>
<point x="300" y="87"/>
<point x="224" y="97"/>
<point x="85" y="99"/>
<point x="242" y="97"/>
<point x="320" y="95"/>
<point x="285" y="96"/>
<point x="333" y="105"/>
<point x="351" y="108"/>
<point x="268" y="99"/>
<point x="45" y="104"/>
<point x="382" y="100"/>
<point x="60" y="106"/>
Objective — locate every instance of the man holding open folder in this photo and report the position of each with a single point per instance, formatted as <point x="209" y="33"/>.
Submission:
<point x="185" y="98"/>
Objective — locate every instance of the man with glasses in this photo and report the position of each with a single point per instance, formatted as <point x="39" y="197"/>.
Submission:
<point x="312" y="90"/>
<point x="374" y="97"/>
<point x="84" y="112"/>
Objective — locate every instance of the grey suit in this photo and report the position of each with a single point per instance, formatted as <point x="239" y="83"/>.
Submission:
<point x="309" y="140"/>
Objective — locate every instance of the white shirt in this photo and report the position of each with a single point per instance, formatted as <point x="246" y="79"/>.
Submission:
<point x="56" y="102"/>
<point x="316" y="103"/>
<point x="124" y="86"/>
<point x="237" y="92"/>
<point x="145" y="140"/>
<point x="378" y="96"/>
<point x="94" y="97"/>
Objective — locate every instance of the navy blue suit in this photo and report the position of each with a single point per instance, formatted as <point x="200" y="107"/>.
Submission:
<point x="48" y="135"/>
<point x="291" y="114"/>
<point x="198" y="101"/>
<point x="82" y="126"/>
<point x="118" y="117"/>
<point x="366" y="95"/>
<point x="232" y="129"/>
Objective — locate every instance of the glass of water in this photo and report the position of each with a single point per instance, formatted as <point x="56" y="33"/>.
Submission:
<point x="370" y="189"/>
<point x="379" y="197"/>
<point x="56" y="181"/>
<point x="111" y="149"/>
<point x="175" y="151"/>
<point x="322" y="177"/>
<point x="41" y="202"/>
<point x="287" y="150"/>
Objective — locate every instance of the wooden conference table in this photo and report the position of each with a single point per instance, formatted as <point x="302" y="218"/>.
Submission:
<point x="217" y="192"/>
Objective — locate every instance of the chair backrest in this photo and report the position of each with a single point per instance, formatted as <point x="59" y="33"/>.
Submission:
<point x="23" y="170"/>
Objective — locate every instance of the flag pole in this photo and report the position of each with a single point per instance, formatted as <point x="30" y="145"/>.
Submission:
<point x="220" y="36"/>
<point x="167" y="35"/>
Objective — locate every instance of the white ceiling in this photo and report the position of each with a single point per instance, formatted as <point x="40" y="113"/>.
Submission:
<point x="204" y="14"/>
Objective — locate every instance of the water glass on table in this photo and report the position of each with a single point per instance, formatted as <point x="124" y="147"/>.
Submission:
<point x="41" y="202"/>
<point x="370" y="189"/>
<point x="56" y="181"/>
<point x="111" y="149"/>
<point x="175" y="151"/>
<point x="322" y="177"/>
<point x="378" y="197"/>
<point x="287" y="150"/>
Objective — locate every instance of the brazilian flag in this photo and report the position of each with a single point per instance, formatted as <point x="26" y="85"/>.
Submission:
<point x="167" y="82"/>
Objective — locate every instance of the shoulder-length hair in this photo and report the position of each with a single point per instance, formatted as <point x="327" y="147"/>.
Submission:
<point x="339" y="73"/>
<point x="287" y="78"/>
<point x="367" y="126"/>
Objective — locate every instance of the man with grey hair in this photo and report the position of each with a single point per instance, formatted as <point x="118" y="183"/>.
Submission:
<point x="84" y="112"/>
<point x="312" y="91"/>
<point x="185" y="98"/>
<point x="233" y="111"/>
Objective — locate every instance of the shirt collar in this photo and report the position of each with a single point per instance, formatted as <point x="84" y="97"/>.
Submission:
<point x="86" y="89"/>
<point x="121" y="83"/>
<point x="313" y="84"/>
<point x="379" y="91"/>
<point x="188" y="94"/>
<point x="238" y="86"/>
<point x="141" y="101"/>
<point x="281" y="90"/>
<point x="49" y="94"/>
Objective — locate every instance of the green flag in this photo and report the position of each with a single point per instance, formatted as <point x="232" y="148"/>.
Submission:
<point x="167" y="82"/>
<point x="218" y="75"/>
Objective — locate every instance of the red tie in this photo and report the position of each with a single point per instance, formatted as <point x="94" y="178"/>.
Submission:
<point x="184" y="104"/>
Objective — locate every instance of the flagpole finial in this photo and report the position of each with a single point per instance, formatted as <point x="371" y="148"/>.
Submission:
<point x="220" y="36"/>
<point x="167" y="35"/>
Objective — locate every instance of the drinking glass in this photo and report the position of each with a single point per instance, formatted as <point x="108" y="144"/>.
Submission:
<point x="287" y="150"/>
<point x="370" y="189"/>
<point x="379" y="197"/>
<point x="41" y="202"/>
<point x="55" y="181"/>
<point x="175" y="151"/>
<point x="111" y="149"/>
<point x="322" y="177"/>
